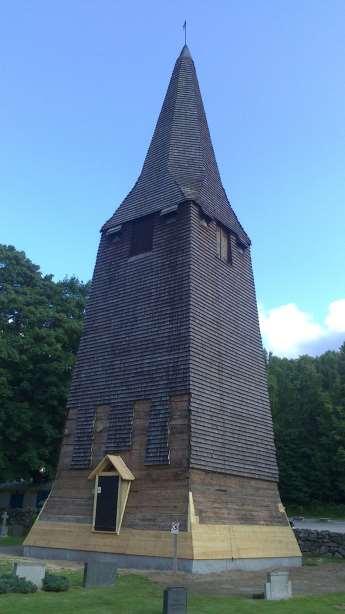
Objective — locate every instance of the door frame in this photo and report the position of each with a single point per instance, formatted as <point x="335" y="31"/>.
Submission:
<point x="122" y="496"/>
<point x="117" y="468"/>
<point x="105" y="474"/>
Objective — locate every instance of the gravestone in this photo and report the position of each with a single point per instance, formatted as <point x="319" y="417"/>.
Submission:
<point x="4" y="527"/>
<point x="278" y="586"/>
<point x="16" y="530"/>
<point x="34" y="572"/>
<point x="175" y="600"/>
<point x="99" y="573"/>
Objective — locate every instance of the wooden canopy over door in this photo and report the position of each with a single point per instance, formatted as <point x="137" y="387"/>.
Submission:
<point x="112" y="483"/>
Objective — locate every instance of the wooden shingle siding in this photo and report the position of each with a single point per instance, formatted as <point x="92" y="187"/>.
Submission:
<point x="120" y="426"/>
<point x="135" y="343"/>
<point x="180" y="163"/>
<point x="170" y="372"/>
<point x="231" y="420"/>
<point x="227" y="499"/>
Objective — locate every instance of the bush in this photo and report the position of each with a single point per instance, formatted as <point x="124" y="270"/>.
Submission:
<point x="12" y="584"/>
<point x="55" y="583"/>
<point x="4" y="588"/>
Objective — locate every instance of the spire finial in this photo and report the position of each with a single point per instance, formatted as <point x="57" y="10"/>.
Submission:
<point x="185" y="32"/>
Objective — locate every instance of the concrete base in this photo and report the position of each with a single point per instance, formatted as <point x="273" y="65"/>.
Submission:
<point x="160" y="563"/>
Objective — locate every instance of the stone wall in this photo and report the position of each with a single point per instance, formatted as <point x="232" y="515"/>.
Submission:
<point x="321" y="542"/>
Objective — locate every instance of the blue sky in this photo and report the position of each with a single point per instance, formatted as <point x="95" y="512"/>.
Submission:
<point x="81" y="87"/>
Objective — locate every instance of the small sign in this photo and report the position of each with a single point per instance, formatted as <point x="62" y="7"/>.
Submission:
<point x="99" y="489"/>
<point x="175" y="528"/>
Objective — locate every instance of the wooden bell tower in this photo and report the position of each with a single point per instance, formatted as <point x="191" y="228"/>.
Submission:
<point x="169" y="418"/>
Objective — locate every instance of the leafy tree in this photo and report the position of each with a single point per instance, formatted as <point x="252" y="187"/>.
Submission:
<point x="40" y="327"/>
<point x="308" y="408"/>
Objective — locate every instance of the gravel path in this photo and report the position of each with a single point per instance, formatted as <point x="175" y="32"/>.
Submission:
<point x="307" y="580"/>
<point x="336" y="526"/>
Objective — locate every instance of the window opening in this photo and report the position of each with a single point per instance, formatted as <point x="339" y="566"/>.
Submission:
<point x="223" y="244"/>
<point x="142" y="235"/>
<point x="16" y="501"/>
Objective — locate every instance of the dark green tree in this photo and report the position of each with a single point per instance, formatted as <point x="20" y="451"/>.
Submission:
<point x="40" y="327"/>
<point x="308" y="408"/>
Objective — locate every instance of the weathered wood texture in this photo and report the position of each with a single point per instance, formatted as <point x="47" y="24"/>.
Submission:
<point x="231" y="419"/>
<point x="170" y="372"/>
<point x="180" y="163"/>
<point x="135" y="343"/>
<point x="226" y="499"/>
<point x="202" y="542"/>
<point x="158" y="495"/>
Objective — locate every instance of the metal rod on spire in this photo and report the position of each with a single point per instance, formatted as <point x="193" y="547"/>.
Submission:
<point x="185" y="32"/>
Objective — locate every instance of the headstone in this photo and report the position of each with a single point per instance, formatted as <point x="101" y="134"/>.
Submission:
<point x="16" y="530"/>
<point x="4" y="527"/>
<point x="278" y="586"/>
<point x="175" y="600"/>
<point x="99" y="573"/>
<point x="34" y="572"/>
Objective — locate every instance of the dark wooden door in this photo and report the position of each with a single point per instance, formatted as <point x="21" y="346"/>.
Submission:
<point x="106" y="506"/>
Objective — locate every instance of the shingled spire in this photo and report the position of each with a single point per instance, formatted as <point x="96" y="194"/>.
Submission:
<point x="169" y="418"/>
<point x="180" y="163"/>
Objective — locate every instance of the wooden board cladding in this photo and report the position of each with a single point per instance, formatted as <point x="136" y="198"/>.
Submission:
<point x="180" y="163"/>
<point x="158" y="495"/>
<point x="181" y="319"/>
<point x="203" y="542"/>
<point x="231" y="420"/>
<point x="227" y="499"/>
<point x="135" y="343"/>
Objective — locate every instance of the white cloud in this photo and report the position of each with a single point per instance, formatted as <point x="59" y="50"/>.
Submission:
<point x="335" y="319"/>
<point x="289" y="331"/>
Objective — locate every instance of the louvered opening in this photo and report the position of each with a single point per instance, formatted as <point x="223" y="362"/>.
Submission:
<point x="223" y="244"/>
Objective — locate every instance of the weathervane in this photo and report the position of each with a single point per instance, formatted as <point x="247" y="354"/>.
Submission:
<point x="185" y="32"/>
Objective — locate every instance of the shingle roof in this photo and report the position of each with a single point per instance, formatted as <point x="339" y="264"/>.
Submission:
<point x="180" y="163"/>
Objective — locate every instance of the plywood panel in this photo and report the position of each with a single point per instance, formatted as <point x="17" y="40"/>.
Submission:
<point x="202" y="543"/>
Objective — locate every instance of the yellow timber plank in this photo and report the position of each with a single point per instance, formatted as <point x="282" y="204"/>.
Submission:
<point x="202" y="542"/>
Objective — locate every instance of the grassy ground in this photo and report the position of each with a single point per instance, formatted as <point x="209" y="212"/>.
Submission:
<point x="11" y="541"/>
<point x="315" y="560"/>
<point x="135" y="594"/>
<point x="317" y="510"/>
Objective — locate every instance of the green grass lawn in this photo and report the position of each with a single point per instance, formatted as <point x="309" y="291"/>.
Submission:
<point x="11" y="541"/>
<point x="135" y="594"/>
<point x="317" y="510"/>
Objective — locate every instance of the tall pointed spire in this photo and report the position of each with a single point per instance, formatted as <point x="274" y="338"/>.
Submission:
<point x="180" y="163"/>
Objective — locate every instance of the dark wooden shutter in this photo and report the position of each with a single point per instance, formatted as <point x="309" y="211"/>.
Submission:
<point x="223" y="244"/>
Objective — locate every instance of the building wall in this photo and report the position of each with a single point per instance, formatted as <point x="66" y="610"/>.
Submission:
<point x="170" y="336"/>
<point x="135" y="344"/>
<point x="231" y="419"/>
<point x="158" y="495"/>
<point x="4" y="499"/>
<point x="30" y="495"/>
<point x="229" y="500"/>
